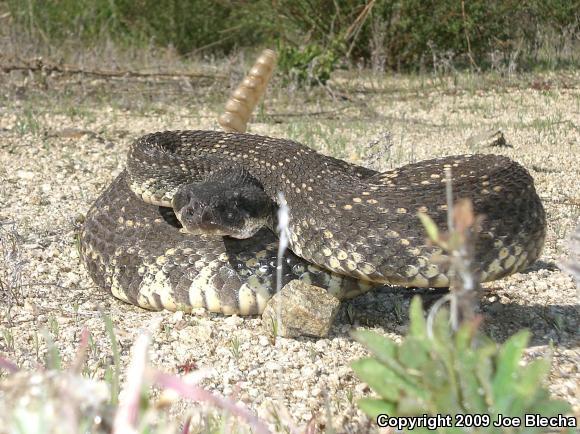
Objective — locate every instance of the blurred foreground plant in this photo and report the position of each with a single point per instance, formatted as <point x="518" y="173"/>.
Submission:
<point x="453" y="373"/>
<point x="445" y="365"/>
<point x="55" y="401"/>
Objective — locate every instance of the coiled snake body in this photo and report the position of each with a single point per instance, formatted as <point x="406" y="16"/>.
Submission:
<point x="358" y="224"/>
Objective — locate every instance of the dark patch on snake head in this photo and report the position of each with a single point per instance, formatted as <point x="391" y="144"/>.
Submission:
<point x="220" y="207"/>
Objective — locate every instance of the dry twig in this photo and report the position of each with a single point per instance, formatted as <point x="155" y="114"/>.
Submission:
<point x="48" y="67"/>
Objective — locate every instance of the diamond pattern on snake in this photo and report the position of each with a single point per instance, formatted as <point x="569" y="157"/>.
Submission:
<point x="190" y="221"/>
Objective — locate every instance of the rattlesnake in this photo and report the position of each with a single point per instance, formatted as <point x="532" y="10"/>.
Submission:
<point x="358" y="224"/>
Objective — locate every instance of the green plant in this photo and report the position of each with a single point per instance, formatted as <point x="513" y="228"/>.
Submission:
<point x="397" y="34"/>
<point x="235" y="347"/>
<point x="453" y="373"/>
<point x="27" y="123"/>
<point x="53" y="326"/>
<point x="113" y="373"/>
<point x="8" y="337"/>
<point x="53" y="358"/>
<point x="310" y="65"/>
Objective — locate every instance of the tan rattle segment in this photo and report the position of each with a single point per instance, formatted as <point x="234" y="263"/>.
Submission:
<point x="244" y="99"/>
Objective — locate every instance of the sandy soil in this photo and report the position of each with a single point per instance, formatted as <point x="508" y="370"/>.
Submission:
<point x="64" y="138"/>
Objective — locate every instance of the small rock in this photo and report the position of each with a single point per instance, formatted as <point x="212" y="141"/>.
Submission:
<point x="177" y="316"/>
<point x="25" y="174"/>
<point x="233" y="320"/>
<point x="300" y="394"/>
<point x="304" y="310"/>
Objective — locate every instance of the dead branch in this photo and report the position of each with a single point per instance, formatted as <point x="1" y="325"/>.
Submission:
<point x="43" y="65"/>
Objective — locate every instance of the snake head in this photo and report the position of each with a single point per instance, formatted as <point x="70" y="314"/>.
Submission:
<point x="222" y="208"/>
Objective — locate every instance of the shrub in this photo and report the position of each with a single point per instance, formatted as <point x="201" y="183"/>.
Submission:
<point x="453" y="373"/>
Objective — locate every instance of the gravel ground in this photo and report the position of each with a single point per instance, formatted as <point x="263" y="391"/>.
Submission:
<point x="64" y="138"/>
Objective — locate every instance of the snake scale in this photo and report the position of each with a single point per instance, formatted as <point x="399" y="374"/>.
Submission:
<point x="350" y="228"/>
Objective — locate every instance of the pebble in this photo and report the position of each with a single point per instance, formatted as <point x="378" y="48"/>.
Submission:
<point x="233" y="320"/>
<point x="25" y="174"/>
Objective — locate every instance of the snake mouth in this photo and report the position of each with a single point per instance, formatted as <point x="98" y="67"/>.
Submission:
<point x="208" y="229"/>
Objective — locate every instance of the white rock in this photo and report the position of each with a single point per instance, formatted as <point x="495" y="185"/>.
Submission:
<point x="25" y="174"/>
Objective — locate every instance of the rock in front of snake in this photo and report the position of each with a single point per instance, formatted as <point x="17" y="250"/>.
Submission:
<point x="300" y="309"/>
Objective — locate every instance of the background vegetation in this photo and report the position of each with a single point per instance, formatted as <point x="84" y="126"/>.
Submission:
<point x="385" y="34"/>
